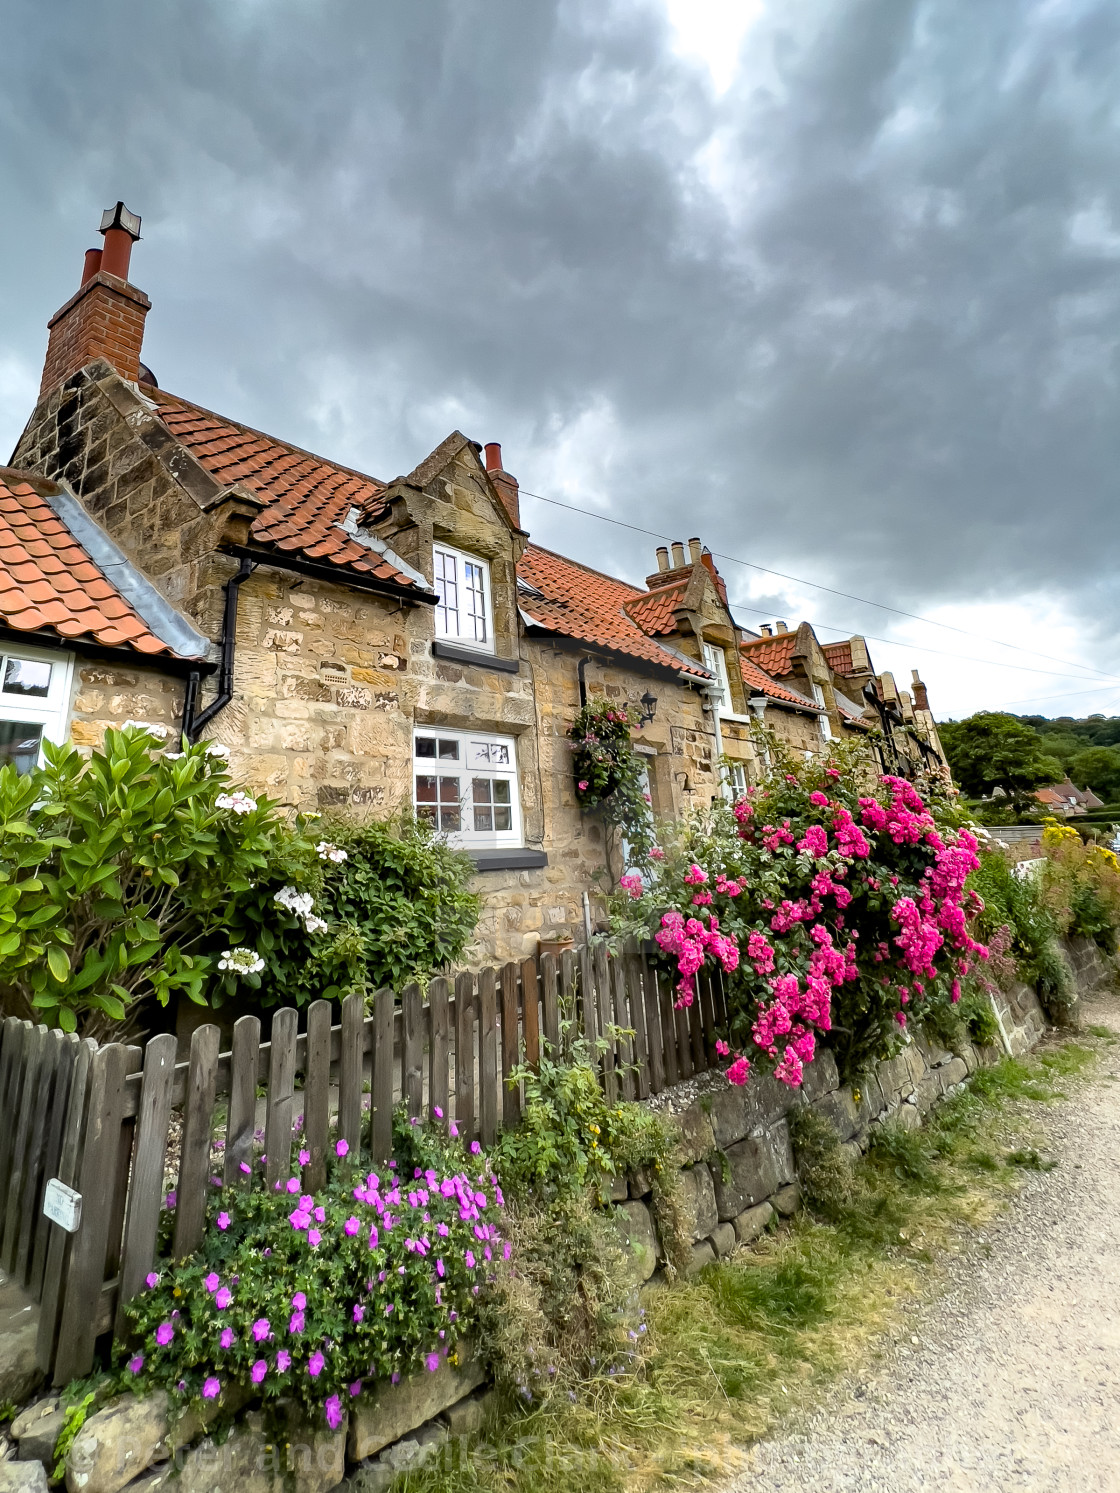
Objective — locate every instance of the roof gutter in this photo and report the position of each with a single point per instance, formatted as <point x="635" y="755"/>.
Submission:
<point x="332" y="573"/>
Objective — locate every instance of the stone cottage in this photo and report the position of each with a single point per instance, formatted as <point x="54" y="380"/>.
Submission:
<point x="362" y="645"/>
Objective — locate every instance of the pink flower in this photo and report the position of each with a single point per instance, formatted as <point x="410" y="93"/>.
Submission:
<point x="259" y="1370"/>
<point x="722" y="1048"/>
<point x="583" y="785"/>
<point x="292" y="1184"/>
<point x="228" y="1338"/>
<point x="304" y="1157"/>
<point x="437" y="1111"/>
<point x="315" y="1364"/>
<point x="212" y="1282"/>
<point x="223" y="1298"/>
<point x="657" y="854"/>
<point x="342" y="1148"/>
<point x="432" y="1362"/>
<point x="468" y="1257"/>
<point x="211" y="1388"/>
<point x="475" y="1148"/>
<point x="313" y="1237"/>
<point x="355" y="1388"/>
<point x="283" y="1361"/>
<point x="333" y="1411"/>
<point x="222" y="1221"/>
<point x="738" y="1072"/>
<point x="136" y="1363"/>
<point x="296" y="1322"/>
<point x="695" y="875"/>
<point x="164" y="1333"/>
<point x="151" y="1280"/>
<point x="820" y="799"/>
<point x="261" y="1329"/>
<point x="350" y="1226"/>
<point x="299" y="1301"/>
<point x="359" y="1311"/>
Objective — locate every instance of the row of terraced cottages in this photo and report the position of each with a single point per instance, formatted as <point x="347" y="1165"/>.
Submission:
<point x="361" y="645"/>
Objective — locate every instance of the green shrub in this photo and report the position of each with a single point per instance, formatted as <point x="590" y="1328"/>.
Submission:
<point x="395" y="899"/>
<point x="119" y="876"/>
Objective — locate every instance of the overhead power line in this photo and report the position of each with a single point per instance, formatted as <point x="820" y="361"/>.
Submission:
<point x="883" y="606"/>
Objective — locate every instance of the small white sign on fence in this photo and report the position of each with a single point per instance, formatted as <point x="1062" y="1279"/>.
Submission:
<point x="62" y="1205"/>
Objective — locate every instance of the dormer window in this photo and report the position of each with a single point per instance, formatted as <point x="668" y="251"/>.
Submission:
<point x="463" y="613"/>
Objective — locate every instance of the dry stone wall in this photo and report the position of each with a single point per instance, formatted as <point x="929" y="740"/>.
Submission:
<point x="740" y="1172"/>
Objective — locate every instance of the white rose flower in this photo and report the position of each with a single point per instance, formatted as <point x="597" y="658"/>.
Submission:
<point x="328" y="852"/>
<point x="314" y="924"/>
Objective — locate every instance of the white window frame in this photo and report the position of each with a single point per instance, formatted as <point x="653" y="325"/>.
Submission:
<point x="822" y="720"/>
<point x="453" y="572"/>
<point x="465" y="768"/>
<point x="715" y="660"/>
<point x="736" y="777"/>
<point x="51" y="711"/>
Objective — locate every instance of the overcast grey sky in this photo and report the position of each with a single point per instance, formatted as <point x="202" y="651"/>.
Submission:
<point x="834" y="285"/>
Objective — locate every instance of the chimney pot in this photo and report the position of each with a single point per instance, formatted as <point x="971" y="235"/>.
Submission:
<point x="780" y="626"/>
<point x="695" y="550"/>
<point x="766" y="630"/>
<point x="504" y="484"/>
<point x="662" y="557"/>
<point x="493" y="456"/>
<point x="121" y="229"/>
<point x="678" y="554"/>
<point x="92" y="264"/>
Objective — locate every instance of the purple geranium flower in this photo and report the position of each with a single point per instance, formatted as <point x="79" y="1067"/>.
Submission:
<point x="222" y="1221"/>
<point x="315" y="1364"/>
<point x="136" y="1364"/>
<point x="211" y="1388"/>
<point x="333" y="1411"/>
<point x="258" y="1371"/>
<point x="342" y="1148"/>
<point x="164" y="1333"/>
<point x="261" y="1329"/>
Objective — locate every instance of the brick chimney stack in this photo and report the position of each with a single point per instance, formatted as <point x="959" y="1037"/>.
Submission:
<point x="505" y="484"/>
<point x="921" y="698"/>
<point x="105" y="318"/>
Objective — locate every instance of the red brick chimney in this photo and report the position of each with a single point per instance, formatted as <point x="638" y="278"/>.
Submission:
<point x="105" y="319"/>
<point x="505" y="484"/>
<point x="918" y="689"/>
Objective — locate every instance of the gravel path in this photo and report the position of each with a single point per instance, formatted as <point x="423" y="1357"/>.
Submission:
<point x="1015" y="1379"/>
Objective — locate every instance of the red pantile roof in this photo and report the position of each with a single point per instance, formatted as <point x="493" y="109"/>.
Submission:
<point x="653" y="610"/>
<point x="577" y="602"/>
<point x="775" y="655"/>
<point x="308" y="497"/>
<point x="838" y="656"/>
<point x="48" y="580"/>
<point x="758" y="682"/>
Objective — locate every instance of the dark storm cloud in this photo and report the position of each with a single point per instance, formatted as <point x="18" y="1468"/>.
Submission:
<point x="856" y="317"/>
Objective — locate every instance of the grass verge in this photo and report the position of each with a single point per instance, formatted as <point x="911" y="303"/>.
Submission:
<point x="754" y="1339"/>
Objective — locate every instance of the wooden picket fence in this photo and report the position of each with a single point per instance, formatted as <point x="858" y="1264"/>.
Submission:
<point x="99" y="1118"/>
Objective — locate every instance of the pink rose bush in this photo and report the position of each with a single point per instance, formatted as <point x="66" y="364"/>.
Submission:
<point x="311" y="1296"/>
<point x="828" y="911"/>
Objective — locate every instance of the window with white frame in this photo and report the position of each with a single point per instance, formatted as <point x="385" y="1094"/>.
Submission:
<point x="715" y="660"/>
<point x="465" y="784"/>
<point x="463" y="613"/>
<point x="737" y="778"/>
<point x="34" y="694"/>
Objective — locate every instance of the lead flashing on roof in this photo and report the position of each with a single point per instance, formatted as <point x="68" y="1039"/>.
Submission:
<point x="353" y="529"/>
<point x="160" y="617"/>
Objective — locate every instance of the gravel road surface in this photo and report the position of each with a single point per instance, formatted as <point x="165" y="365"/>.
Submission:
<point x="1014" y="1380"/>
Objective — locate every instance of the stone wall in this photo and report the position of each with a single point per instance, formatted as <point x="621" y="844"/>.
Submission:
<point x="740" y="1172"/>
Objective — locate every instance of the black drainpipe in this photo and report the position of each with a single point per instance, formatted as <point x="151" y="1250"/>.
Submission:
<point x="193" y="725"/>
<point x="582" y="683"/>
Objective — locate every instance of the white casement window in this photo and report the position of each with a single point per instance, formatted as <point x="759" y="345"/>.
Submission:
<point x="465" y="784"/>
<point x="737" y="779"/>
<point x="716" y="660"/>
<point x="818" y="696"/>
<point x="463" y="613"/>
<point x="34" y="694"/>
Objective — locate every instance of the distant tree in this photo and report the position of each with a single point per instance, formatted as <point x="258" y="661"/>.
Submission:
<point x="990" y="750"/>
<point x="1098" y="768"/>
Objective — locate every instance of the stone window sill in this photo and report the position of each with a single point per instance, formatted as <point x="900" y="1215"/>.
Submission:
<point x="473" y="659"/>
<point x="513" y="859"/>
